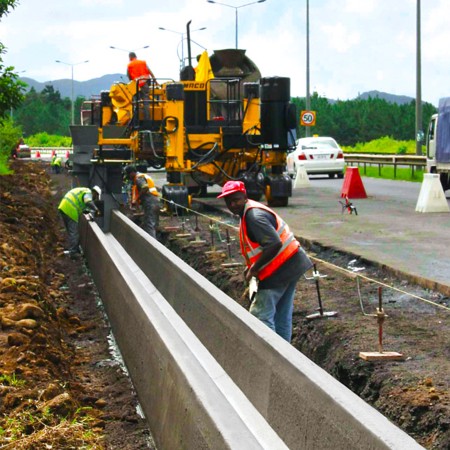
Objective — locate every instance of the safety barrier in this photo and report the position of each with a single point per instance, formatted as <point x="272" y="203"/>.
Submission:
<point x="61" y="151"/>
<point x="302" y="403"/>
<point x="386" y="160"/>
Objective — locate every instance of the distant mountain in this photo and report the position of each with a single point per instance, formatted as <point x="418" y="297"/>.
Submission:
<point x="96" y="85"/>
<point x="391" y="98"/>
<point x="80" y="88"/>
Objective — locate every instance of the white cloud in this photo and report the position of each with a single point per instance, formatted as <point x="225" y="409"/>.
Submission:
<point x="351" y="41"/>
<point x="359" y="6"/>
<point x="340" y="37"/>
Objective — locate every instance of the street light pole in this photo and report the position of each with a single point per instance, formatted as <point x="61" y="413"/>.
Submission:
<point x="182" y="65"/>
<point x="308" y="99"/>
<point x="72" y="99"/>
<point x="236" y="13"/>
<point x="419" y="132"/>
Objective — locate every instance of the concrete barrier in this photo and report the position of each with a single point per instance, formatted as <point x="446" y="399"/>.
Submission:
<point x="306" y="406"/>
<point x="188" y="399"/>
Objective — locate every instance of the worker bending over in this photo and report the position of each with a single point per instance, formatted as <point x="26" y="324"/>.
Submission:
<point x="75" y="202"/>
<point x="55" y="163"/>
<point x="273" y="256"/>
<point x="144" y="193"/>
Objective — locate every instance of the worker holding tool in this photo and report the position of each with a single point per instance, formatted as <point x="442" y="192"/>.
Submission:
<point x="144" y="193"/>
<point x="75" y="202"/>
<point x="273" y="256"/>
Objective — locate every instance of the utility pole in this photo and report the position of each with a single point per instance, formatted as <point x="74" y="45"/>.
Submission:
<point x="419" y="131"/>
<point x="308" y="99"/>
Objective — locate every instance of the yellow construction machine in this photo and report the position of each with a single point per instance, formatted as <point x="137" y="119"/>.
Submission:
<point x="220" y="121"/>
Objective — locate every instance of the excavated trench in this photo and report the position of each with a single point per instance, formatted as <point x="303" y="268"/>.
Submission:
<point x="413" y="392"/>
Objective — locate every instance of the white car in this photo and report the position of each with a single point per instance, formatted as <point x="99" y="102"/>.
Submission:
<point x="319" y="155"/>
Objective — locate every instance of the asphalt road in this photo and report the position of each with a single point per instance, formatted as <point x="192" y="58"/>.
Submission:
<point x="387" y="229"/>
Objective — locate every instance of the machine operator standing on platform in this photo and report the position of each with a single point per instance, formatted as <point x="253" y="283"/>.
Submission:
<point x="138" y="69"/>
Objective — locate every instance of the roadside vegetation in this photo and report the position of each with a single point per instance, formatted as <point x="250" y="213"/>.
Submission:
<point x="387" y="173"/>
<point x="353" y="121"/>
<point x="388" y="146"/>
<point x="384" y="145"/>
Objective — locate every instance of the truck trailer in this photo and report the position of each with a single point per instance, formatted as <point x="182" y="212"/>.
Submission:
<point x="438" y="143"/>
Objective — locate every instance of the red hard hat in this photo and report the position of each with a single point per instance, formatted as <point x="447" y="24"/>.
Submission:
<point x="230" y="187"/>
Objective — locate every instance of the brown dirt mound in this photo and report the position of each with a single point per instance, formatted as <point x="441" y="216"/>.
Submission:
<point x="59" y="386"/>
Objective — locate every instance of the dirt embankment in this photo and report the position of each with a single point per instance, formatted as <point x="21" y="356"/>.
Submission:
<point x="59" y="386"/>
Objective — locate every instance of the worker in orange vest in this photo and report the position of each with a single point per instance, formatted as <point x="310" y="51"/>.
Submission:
<point x="145" y="194"/>
<point x="138" y="69"/>
<point x="275" y="259"/>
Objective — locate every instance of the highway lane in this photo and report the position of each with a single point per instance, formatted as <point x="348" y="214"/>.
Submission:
<point x="387" y="230"/>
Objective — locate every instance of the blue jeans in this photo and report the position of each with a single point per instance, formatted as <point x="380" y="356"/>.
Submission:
<point x="274" y="308"/>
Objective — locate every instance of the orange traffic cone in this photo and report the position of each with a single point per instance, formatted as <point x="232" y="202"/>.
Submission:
<point x="38" y="154"/>
<point x="353" y="186"/>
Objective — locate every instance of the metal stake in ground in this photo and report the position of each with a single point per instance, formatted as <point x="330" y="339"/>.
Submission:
<point x="380" y="354"/>
<point x="183" y="233"/>
<point x="213" y="251"/>
<point x="321" y="314"/>
<point x="197" y="241"/>
<point x="231" y="263"/>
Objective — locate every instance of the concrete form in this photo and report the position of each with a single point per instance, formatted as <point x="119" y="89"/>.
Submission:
<point x="302" y="403"/>
<point x="188" y="399"/>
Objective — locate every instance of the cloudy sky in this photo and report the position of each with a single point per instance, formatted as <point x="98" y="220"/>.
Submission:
<point x="355" y="45"/>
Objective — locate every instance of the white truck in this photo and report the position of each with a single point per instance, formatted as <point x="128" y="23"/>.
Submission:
<point x="438" y="143"/>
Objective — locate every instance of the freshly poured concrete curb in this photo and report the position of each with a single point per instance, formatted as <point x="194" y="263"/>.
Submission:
<point x="188" y="399"/>
<point x="306" y="406"/>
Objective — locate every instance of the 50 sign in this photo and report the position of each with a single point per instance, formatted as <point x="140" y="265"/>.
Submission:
<point x="308" y="118"/>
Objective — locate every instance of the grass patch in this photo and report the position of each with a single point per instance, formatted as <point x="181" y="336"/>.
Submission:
<point x="11" y="380"/>
<point x="385" y="145"/>
<point x="387" y="172"/>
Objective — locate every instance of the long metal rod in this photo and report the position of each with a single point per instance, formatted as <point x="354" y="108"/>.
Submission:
<point x="419" y="131"/>
<point x="308" y="99"/>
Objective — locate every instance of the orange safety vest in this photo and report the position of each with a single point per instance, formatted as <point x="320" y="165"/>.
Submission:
<point x="151" y="188"/>
<point x="252" y="251"/>
<point x="138" y="68"/>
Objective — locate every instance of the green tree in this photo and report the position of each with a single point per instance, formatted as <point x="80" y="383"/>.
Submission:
<point x="45" y="111"/>
<point x="9" y="138"/>
<point x="358" y="120"/>
<point x="11" y="89"/>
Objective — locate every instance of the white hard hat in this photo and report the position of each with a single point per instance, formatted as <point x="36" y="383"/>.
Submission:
<point x="98" y="190"/>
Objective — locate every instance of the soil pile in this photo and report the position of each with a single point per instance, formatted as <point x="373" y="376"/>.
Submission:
<point x="59" y="386"/>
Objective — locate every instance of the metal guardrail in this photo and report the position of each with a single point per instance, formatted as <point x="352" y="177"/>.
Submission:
<point x="386" y="160"/>
<point x="49" y="150"/>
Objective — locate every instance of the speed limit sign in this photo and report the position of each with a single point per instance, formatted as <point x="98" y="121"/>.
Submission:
<point x="308" y="118"/>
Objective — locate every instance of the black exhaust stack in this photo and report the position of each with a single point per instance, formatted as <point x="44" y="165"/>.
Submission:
<point x="188" y="72"/>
